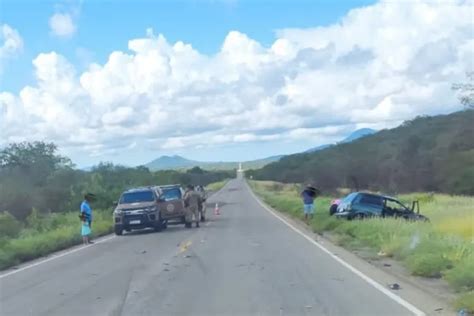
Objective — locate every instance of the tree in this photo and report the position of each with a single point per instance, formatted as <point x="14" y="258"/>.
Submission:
<point x="466" y="95"/>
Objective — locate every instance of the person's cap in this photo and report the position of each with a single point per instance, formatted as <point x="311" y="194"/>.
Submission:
<point x="90" y="196"/>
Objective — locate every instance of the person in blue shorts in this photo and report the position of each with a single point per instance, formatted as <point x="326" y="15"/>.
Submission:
<point x="85" y="230"/>
<point x="86" y="212"/>
<point x="308" y="195"/>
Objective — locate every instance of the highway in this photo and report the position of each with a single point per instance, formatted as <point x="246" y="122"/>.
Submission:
<point x="245" y="261"/>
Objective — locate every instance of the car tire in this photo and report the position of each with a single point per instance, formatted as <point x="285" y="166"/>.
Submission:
<point x="118" y="230"/>
<point x="188" y="225"/>
<point x="360" y="216"/>
<point x="333" y="209"/>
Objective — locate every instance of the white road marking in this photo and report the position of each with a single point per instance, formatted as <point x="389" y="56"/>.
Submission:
<point x="372" y="282"/>
<point x="57" y="256"/>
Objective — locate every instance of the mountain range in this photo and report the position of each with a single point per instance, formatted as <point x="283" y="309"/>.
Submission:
<point x="179" y="162"/>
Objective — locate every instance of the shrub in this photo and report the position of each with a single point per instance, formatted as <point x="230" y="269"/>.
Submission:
<point x="9" y="225"/>
<point x="461" y="277"/>
<point x="427" y="264"/>
<point x="465" y="301"/>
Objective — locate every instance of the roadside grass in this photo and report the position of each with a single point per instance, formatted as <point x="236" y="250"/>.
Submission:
<point x="442" y="248"/>
<point x="42" y="235"/>
<point x="216" y="186"/>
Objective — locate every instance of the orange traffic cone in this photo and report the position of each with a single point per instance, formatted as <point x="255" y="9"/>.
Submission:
<point x="216" y="210"/>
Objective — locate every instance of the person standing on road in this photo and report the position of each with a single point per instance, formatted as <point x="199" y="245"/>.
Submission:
<point x="202" y="210"/>
<point x="86" y="211"/>
<point x="85" y="230"/>
<point x="308" y="195"/>
<point x="193" y="202"/>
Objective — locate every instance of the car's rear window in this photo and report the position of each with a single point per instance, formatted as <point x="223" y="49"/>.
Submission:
<point x="138" y="196"/>
<point x="170" y="194"/>
<point x="371" y="199"/>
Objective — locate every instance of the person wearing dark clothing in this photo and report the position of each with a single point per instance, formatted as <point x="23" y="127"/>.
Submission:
<point x="308" y="195"/>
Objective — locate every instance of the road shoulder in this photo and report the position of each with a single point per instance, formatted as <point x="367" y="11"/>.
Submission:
<point x="428" y="295"/>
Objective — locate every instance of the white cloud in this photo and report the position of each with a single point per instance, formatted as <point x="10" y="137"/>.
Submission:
<point x="11" y="43"/>
<point x="380" y="65"/>
<point x="62" y="25"/>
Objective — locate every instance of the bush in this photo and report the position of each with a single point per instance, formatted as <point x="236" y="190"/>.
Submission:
<point x="9" y="225"/>
<point x="465" y="301"/>
<point x="428" y="265"/>
<point x="461" y="277"/>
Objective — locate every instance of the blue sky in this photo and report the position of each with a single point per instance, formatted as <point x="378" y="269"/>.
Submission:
<point x="128" y="81"/>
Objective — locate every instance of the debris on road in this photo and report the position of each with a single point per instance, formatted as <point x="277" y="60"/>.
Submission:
<point x="387" y="265"/>
<point x="166" y="270"/>
<point x="394" y="286"/>
<point x="144" y="251"/>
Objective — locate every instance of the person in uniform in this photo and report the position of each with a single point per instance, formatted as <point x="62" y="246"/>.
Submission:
<point x="193" y="202"/>
<point x="202" y="207"/>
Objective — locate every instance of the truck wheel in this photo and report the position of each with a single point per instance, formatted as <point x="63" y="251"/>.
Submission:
<point x="158" y="226"/>
<point x="118" y="230"/>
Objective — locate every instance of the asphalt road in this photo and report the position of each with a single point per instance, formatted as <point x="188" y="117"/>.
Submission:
<point x="243" y="262"/>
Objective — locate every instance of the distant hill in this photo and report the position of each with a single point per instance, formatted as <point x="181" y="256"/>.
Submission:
<point x="358" y="134"/>
<point x="424" y="154"/>
<point x="353" y="136"/>
<point x="178" y="162"/>
<point x="171" y="162"/>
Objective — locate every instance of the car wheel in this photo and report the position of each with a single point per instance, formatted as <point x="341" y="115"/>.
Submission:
<point x="118" y="231"/>
<point x="333" y="209"/>
<point x="188" y="224"/>
<point x="359" y="216"/>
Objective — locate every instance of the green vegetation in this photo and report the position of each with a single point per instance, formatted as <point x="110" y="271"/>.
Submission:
<point x="42" y="234"/>
<point x="425" y="154"/>
<point x="216" y="186"/>
<point x="40" y="194"/>
<point x="442" y="248"/>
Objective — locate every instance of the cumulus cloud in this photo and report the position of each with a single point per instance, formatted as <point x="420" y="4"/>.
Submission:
<point x="62" y="25"/>
<point x="378" y="66"/>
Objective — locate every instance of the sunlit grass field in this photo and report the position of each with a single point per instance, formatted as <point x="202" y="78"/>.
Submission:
<point x="444" y="247"/>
